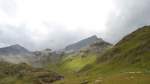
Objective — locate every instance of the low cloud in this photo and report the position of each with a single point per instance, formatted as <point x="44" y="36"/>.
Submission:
<point x="127" y="16"/>
<point x="9" y="7"/>
<point x="51" y="27"/>
<point x="52" y="36"/>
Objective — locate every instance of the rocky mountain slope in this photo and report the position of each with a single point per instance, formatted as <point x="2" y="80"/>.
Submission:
<point x="16" y="54"/>
<point x="14" y="50"/>
<point x="45" y="56"/>
<point x="83" y="44"/>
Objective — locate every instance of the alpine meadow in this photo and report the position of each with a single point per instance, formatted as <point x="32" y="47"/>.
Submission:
<point x="74" y="42"/>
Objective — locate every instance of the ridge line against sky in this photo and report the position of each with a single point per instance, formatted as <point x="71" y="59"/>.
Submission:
<point x="38" y="24"/>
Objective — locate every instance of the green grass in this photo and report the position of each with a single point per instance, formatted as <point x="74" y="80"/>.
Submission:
<point x="116" y="66"/>
<point x="128" y="62"/>
<point x="75" y="63"/>
<point x="109" y="74"/>
<point x="25" y="74"/>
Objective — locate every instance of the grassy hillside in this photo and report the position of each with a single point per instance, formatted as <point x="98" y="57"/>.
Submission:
<point x="126" y="63"/>
<point x="134" y="49"/>
<point x="77" y="61"/>
<point x="25" y="74"/>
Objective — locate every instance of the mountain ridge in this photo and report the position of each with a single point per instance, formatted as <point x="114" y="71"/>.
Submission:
<point x="133" y="48"/>
<point x="13" y="50"/>
<point x="77" y="46"/>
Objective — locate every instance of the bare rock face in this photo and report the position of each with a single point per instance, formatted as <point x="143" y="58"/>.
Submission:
<point x="45" y="56"/>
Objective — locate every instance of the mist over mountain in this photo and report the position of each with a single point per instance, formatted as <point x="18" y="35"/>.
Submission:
<point x="20" y="21"/>
<point x="16" y="54"/>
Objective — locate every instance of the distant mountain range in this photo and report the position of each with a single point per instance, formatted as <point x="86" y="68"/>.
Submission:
<point x="14" y="50"/>
<point x="17" y="53"/>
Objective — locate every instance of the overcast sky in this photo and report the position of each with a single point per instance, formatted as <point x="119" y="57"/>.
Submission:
<point x="39" y="24"/>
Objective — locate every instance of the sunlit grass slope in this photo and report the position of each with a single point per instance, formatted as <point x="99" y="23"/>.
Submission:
<point x="76" y="62"/>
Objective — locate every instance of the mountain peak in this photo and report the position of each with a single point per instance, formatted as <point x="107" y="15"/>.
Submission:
<point x="16" y="45"/>
<point x="83" y="43"/>
<point x="14" y="49"/>
<point x="93" y="36"/>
